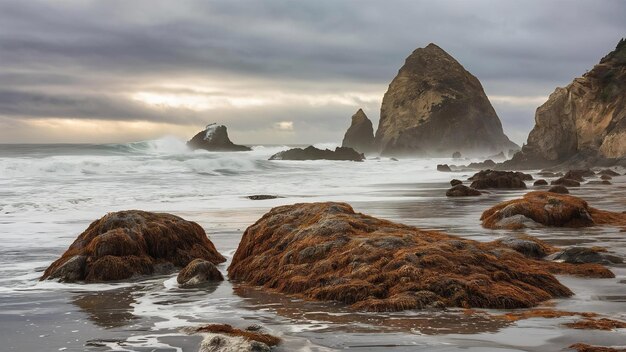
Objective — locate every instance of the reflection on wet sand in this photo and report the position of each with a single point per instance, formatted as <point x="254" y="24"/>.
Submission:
<point x="427" y="322"/>
<point x="108" y="309"/>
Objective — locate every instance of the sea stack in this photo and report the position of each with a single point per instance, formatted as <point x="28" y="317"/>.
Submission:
<point x="583" y="124"/>
<point x="435" y="107"/>
<point x="360" y="134"/>
<point x="214" y="138"/>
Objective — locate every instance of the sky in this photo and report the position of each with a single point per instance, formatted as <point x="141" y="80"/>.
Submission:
<point x="274" y="71"/>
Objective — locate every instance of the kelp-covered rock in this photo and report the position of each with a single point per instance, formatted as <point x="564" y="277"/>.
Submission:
<point x="130" y="243"/>
<point x="312" y="153"/>
<point x="226" y="338"/>
<point x="548" y="209"/>
<point x="326" y="251"/>
<point x="499" y="179"/>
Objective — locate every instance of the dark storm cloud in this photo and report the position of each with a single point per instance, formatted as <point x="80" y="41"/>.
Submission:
<point x="83" y="59"/>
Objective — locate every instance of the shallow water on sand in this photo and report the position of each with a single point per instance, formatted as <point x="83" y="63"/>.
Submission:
<point x="49" y="194"/>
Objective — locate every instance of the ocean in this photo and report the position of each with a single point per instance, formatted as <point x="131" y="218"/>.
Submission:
<point x="50" y="193"/>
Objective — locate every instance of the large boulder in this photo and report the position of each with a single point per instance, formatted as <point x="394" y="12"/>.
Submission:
<point x="499" y="179"/>
<point x="583" y="124"/>
<point x="548" y="209"/>
<point x="312" y="153"/>
<point x="215" y="138"/>
<point x="131" y="243"/>
<point x="435" y="107"/>
<point x="360" y="134"/>
<point x="326" y="251"/>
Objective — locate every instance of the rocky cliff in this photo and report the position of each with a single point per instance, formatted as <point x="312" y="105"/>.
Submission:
<point x="435" y="107"/>
<point x="215" y="138"/>
<point x="360" y="134"/>
<point x="584" y="123"/>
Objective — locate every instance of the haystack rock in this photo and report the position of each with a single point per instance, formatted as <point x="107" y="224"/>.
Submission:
<point x="435" y="107"/>
<point x="583" y="124"/>
<point x="215" y="138"/>
<point x="132" y="243"/>
<point x="360" y="134"/>
<point x="327" y="251"/>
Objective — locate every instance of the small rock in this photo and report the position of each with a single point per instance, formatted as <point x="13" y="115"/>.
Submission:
<point x="540" y="182"/>
<point x="198" y="272"/>
<point x="603" y="182"/>
<point x="606" y="177"/>
<point x="608" y="172"/>
<point x="455" y="182"/>
<point x="456" y="155"/>
<point x="462" y="191"/>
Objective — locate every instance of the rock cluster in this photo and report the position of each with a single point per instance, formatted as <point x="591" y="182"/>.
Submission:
<point x="131" y="243"/>
<point x="312" y="153"/>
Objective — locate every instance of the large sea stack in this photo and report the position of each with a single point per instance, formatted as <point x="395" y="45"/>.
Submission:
<point x="214" y="138"/>
<point x="583" y="124"/>
<point x="434" y="107"/>
<point x="360" y="134"/>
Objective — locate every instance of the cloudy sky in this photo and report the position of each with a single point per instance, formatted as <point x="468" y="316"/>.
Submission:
<point x="272" y="71"/>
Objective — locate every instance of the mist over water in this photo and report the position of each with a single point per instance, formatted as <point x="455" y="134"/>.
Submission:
<point x="50" y="193"/>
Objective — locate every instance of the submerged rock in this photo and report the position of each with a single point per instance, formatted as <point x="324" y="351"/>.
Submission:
<point x="360" y="134"/>
<point x="559" y="189"/>
<point x="548" y="209"/>
<point x="198" y="272"/>
<point x="312" y="153"/>
<point x="435" y="107"/>
<point x="215" y="138"/>
<point x="130" y="243"/>
<point x="326" y="251"/>
<point x="608" y="172"/>
<point x="262" y="197"/>
<point x="462" y="191"/>
<point x="499" y="179"/>
<point x="582" y="255"/>
<point x="565" y="182"/>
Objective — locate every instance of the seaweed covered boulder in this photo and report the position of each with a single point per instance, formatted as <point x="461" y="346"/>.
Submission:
<point x="499" y="179"/>
<point x="130" y="243"/>
<point x="327" y="251"/>
<point x="548" y="209"/>
<point x="312" y="153"/>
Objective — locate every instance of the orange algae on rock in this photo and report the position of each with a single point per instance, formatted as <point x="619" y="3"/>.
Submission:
<point x="124" y="244"/>
<point x="548" y="209"/>
<point x="326" y="251"/>
<point x="597" y="324"/>
<point x="226" y="329"/>
<point x="583" y="347"/>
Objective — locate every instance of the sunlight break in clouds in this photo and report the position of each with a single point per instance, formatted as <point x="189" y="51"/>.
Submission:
<point x="284" y="126"/>
<point x="201" y="101"/>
